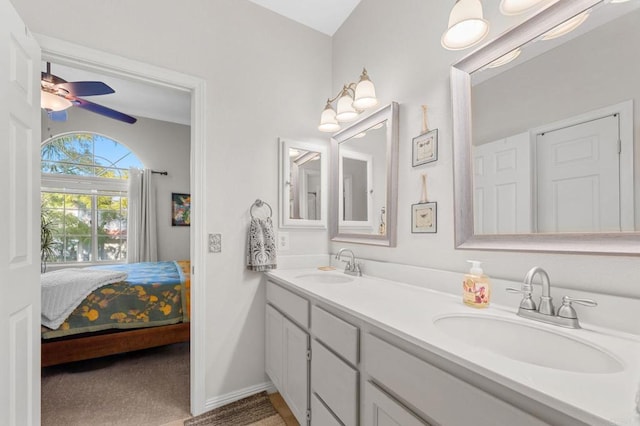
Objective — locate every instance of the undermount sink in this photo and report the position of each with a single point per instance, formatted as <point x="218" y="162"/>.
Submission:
<point x="528" y="343"/>
<point x="325" y="277"/>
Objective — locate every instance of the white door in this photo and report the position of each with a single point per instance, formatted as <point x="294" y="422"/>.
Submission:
<point x="578" y="177"/>
<point x="295" y="374"/>
<point x="502" y="186"/>
<point x="274" y="346"/>
<point x="19" y="227"/>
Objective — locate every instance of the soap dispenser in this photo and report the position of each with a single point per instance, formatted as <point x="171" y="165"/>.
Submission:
<point x="476" y="289"/>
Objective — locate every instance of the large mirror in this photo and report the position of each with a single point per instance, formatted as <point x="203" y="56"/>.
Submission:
<point x="364" y="173"/>
<point x="546" y="145"/>
<point x="303" y="184"/>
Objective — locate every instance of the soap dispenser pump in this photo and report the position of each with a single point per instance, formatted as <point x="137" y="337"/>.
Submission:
<point x="476" y="289"/>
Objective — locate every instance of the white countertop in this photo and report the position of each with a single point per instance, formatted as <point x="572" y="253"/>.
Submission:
<point x="408" y="312"/>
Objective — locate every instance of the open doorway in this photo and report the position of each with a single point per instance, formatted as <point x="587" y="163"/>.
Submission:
<point x="73" y="56"/>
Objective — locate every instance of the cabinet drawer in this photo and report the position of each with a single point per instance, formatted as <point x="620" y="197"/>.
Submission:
<point x="438" y="395"/>
<point x="335" y="382"/>
<point x="336" y="333"/>
<point x="320" y="415"/>
<point x="382" y="410"/>
<point x="292" y="305"/>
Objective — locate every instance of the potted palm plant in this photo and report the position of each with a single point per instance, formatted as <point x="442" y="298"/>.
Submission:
<point x="47" y="243"/>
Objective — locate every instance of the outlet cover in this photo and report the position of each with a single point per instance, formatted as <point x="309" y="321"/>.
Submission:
<point x="283" y="241"/>
<point x="215" y="243"/>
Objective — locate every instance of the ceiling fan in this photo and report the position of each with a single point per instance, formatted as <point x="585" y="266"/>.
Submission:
<point x="57" y="95"/>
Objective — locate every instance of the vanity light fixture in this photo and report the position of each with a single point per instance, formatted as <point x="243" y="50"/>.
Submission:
<point x="505" y="59"/>
<point x="352" y="100"/>
<point x="466" y="27"/>
<point x="516" y="7"/>
<point x="618" y="1"/>
<point x="566" y="27"/>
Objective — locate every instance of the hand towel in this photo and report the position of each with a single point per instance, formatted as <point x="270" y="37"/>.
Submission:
<point x="63" y="290"/>
<point x="261" y="245"/>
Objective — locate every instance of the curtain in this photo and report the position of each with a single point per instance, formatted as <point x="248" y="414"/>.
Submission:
<point x="142" y="229"/>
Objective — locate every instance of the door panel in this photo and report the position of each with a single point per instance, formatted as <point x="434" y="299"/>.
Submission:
<point x="295" y="374"/>
<point x="19" y="249"/>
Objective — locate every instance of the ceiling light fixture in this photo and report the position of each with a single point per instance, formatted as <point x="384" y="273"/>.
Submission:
<point x="516" y="7"/>
<point x="505" y="59"/>
<point x="53" y="102"/>
<point x="566" y="27"/>
<point x="352" y="100"/>
<point x="466" y="25"/>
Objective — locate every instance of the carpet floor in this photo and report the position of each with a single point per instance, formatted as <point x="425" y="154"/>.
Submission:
<point x="255" y="410"/>
<point x="143" y="388"/>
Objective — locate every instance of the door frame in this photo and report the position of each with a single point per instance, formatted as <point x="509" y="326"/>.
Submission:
<point x="82" y="57"/>
<point x="627" y="190"/>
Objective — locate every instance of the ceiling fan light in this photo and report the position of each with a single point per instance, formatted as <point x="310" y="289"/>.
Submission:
<point x="566" y="27"/>
<point x="328" y="122"/>
<point x="53" y="102"/>
<point x="365" y="93"/>
<point x="345" y="111"/>
<point x="516" y="7"/>
<point x="466" y="25"/>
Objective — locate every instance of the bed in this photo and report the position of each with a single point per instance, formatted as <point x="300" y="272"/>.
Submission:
<point x="149" y="308"/>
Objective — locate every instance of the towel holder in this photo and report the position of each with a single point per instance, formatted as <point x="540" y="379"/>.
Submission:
<point x="258" y="204"/>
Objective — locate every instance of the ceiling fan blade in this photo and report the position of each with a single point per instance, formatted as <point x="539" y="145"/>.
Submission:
<point x="103" y="110"/>
<point x="86" y="88"/>
<point x="57" y="115"/>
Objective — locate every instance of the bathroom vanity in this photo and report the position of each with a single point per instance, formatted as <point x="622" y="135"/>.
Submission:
<point x="346" y="350"/>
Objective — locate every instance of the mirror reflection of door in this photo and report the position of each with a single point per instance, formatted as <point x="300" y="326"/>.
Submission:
<point x="305" y="192"/>
<point x="355" y="189"/>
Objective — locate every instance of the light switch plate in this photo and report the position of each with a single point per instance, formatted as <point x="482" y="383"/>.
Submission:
<point x="215" y="243"/>
<point x="283" y="241"/>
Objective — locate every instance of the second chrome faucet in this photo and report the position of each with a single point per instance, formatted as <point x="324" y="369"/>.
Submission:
<point x="352" y="267"/>
<point x="545" y="312"/>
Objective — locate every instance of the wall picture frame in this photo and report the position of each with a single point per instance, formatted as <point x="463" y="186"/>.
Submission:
<point x="424" y="218"/>
<point x="180" y="209"/>
<point x="425" y="148"/>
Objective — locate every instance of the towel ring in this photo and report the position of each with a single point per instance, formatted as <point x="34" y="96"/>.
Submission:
<point x="259" y="203"/>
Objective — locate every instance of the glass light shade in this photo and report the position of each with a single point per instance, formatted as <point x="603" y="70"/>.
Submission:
<point x="365" y="94"/>
<point x="566" y="27"/>
<point x="328" y="122"/>
<point x="505" y="59"/>
<point x="346" y="111"/>
<point x="516" y="7"/>
<point x="53" y="102"/>
<point x="618" y="1"/>
<point x="466" y="25"/>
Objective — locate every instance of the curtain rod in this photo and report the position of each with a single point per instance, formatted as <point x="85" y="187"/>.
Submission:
<point x="157" y="172"/>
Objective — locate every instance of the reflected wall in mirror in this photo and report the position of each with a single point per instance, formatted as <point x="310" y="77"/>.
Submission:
<point x="364" y="183"/>
<point x="303" y="184"/>
<point x="549" y="137"/>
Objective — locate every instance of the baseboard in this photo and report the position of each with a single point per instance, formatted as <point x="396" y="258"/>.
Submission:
<point x="219" y="401"/>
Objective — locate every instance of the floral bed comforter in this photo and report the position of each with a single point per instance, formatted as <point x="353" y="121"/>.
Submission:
<point x="154" y="293"/>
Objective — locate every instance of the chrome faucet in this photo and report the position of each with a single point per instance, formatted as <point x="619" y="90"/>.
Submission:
<point x="566" y="315"/>
<point x="352" y="267"/>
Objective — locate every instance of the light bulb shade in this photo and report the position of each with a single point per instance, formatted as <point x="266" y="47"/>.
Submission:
<point x="365" y="93"/>
<point x="466" y="25"/>
<point x="345" y="110"/>
<point x="53" y="102"/>
<point x="516" y="7"/>
<point x="566" y="27"/>
<point x="505" y="59"/>
<point x="328" y="122"/>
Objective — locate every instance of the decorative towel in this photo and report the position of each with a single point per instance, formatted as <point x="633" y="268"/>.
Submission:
<point x="65" y="289"/>
<point x="261" y="245"/>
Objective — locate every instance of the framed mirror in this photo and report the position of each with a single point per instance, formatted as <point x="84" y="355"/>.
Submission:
<point x="546" y="145"/>
<point x="364" y="180"/>
<point x="303" y="184"/>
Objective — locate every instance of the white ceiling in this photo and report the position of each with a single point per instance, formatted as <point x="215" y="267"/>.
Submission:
<point x="133" y="97"/>
<point x="325" y="16"/>
<point x="172" y="105"/>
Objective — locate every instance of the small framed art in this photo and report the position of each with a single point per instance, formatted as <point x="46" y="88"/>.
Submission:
<point x="424" y="218"/>
<point x="425" y="148"/>
<point x="180" y="209"/>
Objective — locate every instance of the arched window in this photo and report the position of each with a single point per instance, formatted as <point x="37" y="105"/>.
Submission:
<point x="84" y="196"/>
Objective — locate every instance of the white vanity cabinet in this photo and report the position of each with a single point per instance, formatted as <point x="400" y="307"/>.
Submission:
<point x="287" y="348"/>
<point x="382" y="410"/>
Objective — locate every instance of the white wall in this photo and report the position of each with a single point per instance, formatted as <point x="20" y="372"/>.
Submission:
<point x="265" y="77"/>
<point x="160" y="146"/>
<point x="399" y="43"/>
